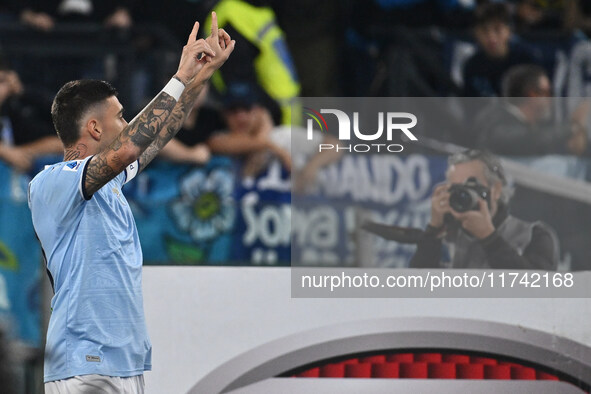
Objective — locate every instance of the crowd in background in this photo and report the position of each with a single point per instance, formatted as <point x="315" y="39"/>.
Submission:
<point x="391" y="48"/>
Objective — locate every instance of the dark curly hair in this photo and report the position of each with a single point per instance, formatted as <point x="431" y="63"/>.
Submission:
<point x="72" y="101"/>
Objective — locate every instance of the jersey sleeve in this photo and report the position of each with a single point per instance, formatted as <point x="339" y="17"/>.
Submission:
<point x="125" y="176"/>
<point x="59" y="189"/>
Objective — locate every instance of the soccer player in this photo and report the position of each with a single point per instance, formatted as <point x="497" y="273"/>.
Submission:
<point x="97" y="340"/>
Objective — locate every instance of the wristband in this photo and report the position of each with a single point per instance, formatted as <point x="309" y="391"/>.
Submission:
<point x="175" y="88"/>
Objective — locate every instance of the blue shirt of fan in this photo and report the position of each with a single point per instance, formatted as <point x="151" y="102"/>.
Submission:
<point x="94" y="261"/>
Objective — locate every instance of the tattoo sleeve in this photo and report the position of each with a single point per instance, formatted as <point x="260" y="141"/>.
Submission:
<point x="129" y="145"/>
<point x="172" y="125"/>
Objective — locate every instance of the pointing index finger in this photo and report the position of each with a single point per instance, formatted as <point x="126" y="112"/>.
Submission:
<point x="193" y="35"/>
<point x="214" y="24"/>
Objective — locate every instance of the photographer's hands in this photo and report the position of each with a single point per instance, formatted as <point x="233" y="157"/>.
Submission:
<point x="478" y="223"/>
<point x="439" y="205"/>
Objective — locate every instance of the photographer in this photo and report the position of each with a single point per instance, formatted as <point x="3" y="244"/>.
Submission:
<point x="469" y="213"/>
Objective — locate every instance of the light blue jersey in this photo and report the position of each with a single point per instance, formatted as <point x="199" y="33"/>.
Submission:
<point x="94" y="261"/>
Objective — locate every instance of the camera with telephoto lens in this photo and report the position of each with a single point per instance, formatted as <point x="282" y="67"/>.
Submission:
<point x="464" y="197"/>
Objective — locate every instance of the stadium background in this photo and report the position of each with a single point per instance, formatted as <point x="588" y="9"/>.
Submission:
<point x="208" y="214"/>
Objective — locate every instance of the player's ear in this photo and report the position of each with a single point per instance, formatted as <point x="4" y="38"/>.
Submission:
<point x="94" y="129"/>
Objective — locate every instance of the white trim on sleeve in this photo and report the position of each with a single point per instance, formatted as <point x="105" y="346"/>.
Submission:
<point x="131" y="171"/>
<point x="82" y="178"/>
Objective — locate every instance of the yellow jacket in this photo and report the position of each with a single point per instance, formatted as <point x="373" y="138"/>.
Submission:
<point x="274" y="67"/>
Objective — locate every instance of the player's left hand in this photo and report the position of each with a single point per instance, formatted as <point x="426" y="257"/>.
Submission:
<point x="222" y="45"/>
<point x="195" y="55"/>
<point x="478" y="223"/>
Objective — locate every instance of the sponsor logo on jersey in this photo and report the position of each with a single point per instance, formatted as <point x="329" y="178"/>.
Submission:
<point x="119" y="195"/>
<point x="73" y="166"/>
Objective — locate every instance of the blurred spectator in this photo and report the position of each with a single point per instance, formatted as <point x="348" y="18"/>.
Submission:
<point x="26" y="131"/>
<point x="253" y="135"/>
<point x="522" y="123"/>
<point x="174" y="15"/>
<point x="87" y="16"/>
<point x="249" y="126"/>
<point x="393" y="50"/>
<point x="483" y="235"/>
<point x="8" y="11"/>
<point x="190" y="144"/>
<point x="540" y="14"/>
<point x="497" y="52"/>
<point x="43" y="15"/>
<point x="313" y="30"/>
<point x="412" y="13"/>
<point x="261" y="55"/>
<point x="578" y="15"/>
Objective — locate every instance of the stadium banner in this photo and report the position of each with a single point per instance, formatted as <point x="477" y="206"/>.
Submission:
<point x="212" y="215"/>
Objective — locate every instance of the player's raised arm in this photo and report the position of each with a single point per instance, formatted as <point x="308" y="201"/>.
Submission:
<point x="222" y="45"/>
<point x="143" y="129"/>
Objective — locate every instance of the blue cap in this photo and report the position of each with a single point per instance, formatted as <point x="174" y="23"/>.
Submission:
<point x="240" y="95"/>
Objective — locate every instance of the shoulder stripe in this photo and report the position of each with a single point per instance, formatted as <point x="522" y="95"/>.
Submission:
<point x="82" y="184"/>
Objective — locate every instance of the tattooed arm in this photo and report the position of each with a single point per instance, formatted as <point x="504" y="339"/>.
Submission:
<point x="143" y="129"/>
<point x="128" y="145"/>
<point x="223" y="46"/>
<point x="173" y="124"/>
